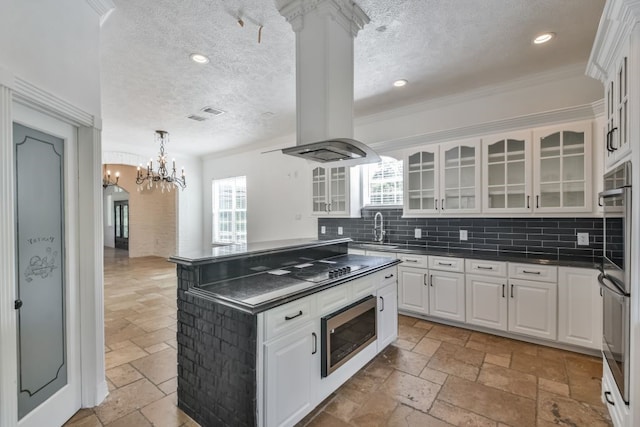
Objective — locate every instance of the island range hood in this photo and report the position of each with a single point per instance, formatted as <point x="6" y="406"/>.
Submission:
<point x="325" y="31"/>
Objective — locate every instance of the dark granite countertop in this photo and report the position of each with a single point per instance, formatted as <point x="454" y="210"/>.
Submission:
<point x="532" y="258"/>
<point x="228" y="252"/>
<point x="262" y="291"/>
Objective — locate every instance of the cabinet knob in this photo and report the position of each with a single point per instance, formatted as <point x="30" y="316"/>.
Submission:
<point x="17" y="304"/>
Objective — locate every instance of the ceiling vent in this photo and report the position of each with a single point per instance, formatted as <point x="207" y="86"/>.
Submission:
<point x="197" y="118"/>
<point x="212" y="111"/>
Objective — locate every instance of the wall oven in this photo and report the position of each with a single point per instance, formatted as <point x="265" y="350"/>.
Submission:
<point x="615" y="277"/>
<point x="346" y="332"/>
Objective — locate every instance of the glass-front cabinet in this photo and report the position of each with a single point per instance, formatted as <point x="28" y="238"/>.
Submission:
<point x="442" y="178"/>
<point x="562" y="168"/>
<point x="507" y="173"/>
<point x="332" y="191"/>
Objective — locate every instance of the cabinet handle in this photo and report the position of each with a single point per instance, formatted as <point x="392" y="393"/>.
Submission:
<point x="503" y="286"/>
<point x="442" y="204"/>
<point x="388" y="276"/>
<point x="436" y="203"/>
<point x="537" y="202"/>
<point x="511" y="291"/>
<point x="329" y="207"/>
<point x="424" y="279"/>
<point x="410" y="260"/>
<point x="482" y="267"/>
<point x="606" y="397"/>
<point x="528" y="204"/>
<point x="611" y="138"/>
<point x="448" y="264"/>
<point x="294" y="316"/>
<point x="431" y="280"/>
<point x="17" y="304"/>
<point x="315" y="343"/>
<point x="382" y="300"/>
<point x="530" y="272"/>
<point x="609" y="147"/>
<point x="600" y="202"/>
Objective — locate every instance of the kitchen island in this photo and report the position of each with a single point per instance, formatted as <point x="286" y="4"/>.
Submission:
<point x="253" y="343"/>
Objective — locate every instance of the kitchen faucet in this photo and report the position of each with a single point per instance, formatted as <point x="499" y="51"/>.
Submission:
<point x="379" y="228"/>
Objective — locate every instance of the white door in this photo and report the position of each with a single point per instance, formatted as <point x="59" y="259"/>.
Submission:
<point x="446" y="295"/>
<point x="579" y="307"/>
<point x="532" y="308"/>
<point x="387" y="315"/>
<point x="487" y="301"/>
<point x="421" y="181"/>
<point x="48" y="344"/>
<point x="459" y="177"/>
<point x="413" y="294"/>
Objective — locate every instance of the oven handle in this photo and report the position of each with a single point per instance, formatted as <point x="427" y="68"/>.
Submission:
<point x="612" y="193"/>
<point x="613" y="288"/>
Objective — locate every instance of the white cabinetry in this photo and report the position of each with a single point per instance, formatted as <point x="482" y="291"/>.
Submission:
<point x="532" y="308"/>
<point x="291" y="373"/>
<point x="562" y="168"/>
<point x="487" y="301"/>
<point x="443" y="179"/>
<point x="446" y="295"/>
<point x="413" y="292"/>
<point x="387" y="316"/>
<point x="611" y="397"/>
<point x="617" y="141"/>
<point x="335" y="191"/>
<point x="580" y="307"/>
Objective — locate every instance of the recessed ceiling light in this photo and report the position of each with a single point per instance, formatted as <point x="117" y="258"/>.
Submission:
<point x="543" y="38"/>
<point x="400" y="83"/>
<point x="199" y="58"/>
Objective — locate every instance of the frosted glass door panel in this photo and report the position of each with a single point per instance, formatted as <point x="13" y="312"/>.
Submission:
<point x="422" y="182"/>
<point x="338" y="181"/>
<point x="319" y="182"/>
<point x="40" y="245"/>
<point x="460" y="177"/>
<point x="507" y="172"/>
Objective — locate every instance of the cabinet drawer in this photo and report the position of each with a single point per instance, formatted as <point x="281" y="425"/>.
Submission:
<point x="381" y="254"/>
<point x="388" y="276"/>
<point x="364" y="286"/>
<point x="287" y="317"/>
<point x="414" y="260"/>
<point x="486" y="268"/>
<point x="538" y="273"/>
<point x="446" y="264"/>
<point x="334" y="298"/>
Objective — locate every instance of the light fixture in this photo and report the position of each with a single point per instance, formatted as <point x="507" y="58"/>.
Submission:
<point x="400" y="83"/>
<point x="106" y="177"/>
<point x="543" y="38"/>
<point x="199" y="58"/>
<point x="160" y="178"/>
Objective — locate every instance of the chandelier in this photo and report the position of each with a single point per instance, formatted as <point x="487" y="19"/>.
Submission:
<point x="106" y="178"/>
<point x="161" y="178"/>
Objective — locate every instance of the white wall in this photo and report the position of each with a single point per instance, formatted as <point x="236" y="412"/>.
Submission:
<point x="276" y="194"/>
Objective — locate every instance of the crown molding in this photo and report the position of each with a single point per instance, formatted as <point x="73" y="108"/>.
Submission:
<point x="103" y="8"/>
<point x="482" y="92"/>
<point x="346" y="13"/>
<point x="580" y="112"/>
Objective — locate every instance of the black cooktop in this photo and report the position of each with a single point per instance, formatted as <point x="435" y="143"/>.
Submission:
<point x="319" y="271"/>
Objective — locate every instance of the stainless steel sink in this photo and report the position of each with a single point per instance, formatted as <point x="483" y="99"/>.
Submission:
<point x="376" y="246"/>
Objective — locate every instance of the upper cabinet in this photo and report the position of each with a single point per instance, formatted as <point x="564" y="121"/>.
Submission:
<point x="507" y="173"/>
<point x="562" y="168"/>
<point x="335" y="191"/>
<point x="442" y="178"/>
<point x="617" y="98"/>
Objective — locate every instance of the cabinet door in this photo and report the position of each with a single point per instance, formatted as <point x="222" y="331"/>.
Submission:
<point x="421" y="181"/>
<point x="620" y="137"/>
<point x="532" y="308"/>
<point x="319" y="190"/>
<point x="562" y="169"/>
<point x="446" y="295"/>
<point x="339" y="190"/>
<point x="460" y="175"/>
<point x="486" y="301"/>
<point x="387" y="315"/>
<point x="413" y="294"/>
<point x="506" y="167"/>
<point x="579" y="307"/>
<point x="609" y="149"/>
<point x="291" y="368"/>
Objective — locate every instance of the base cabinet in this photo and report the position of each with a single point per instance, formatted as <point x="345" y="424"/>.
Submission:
<point x="486" y="301"/>
<point x="580" y="307"/>
<point x="291" y="373"/>
<point x="532" y="308"/>
<point x="446" y="295"/>
<point x="413" y="292"/>
<point x="387" y="317"/>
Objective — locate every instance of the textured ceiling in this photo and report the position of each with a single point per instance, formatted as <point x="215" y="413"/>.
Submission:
<point x="442" y="47"/>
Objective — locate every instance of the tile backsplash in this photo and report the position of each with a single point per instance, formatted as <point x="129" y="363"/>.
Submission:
<point x="548" y="237"/>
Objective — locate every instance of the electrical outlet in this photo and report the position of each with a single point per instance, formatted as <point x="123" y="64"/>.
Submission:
<point x="323" y="229"/>
<point x="417" y="233"/>
<point x="463" y="235"/>
<point x="340" y="231"/>
<point x="583" y="239"/>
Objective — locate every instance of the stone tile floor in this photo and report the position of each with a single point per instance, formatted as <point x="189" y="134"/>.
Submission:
<point x="433" y="375"/>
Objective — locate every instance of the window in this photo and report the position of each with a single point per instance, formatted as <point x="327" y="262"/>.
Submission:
<point x="230" y="210"/>
<point x="382" y="182"/>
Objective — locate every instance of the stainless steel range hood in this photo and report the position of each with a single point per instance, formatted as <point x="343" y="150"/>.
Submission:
<point x="325" y="31"/>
